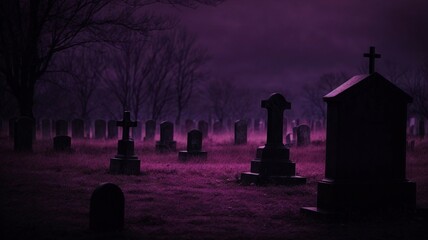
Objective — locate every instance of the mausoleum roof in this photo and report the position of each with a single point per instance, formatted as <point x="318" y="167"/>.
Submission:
<point x="357" y="82"/>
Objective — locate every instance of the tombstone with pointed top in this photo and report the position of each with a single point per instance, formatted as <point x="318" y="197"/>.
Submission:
<point x="240" y="132"/>
<point x="46" y="129"/>
<point x="194" y="147"/>
<point x="24" y="131"/>
<point x="77" y="128"/>
<point x="272" y="163"/>
<point x="303" y="133"/>
<point x="107" y="208"/>
<point x="150" y="130"/>
<point x="166" y="142"/>
<point x="125" y="161"/>
<point x="112" y="131"/>
<point x="365" y="166"/>
<point x="203" y="127"/>
<point x="100" y="129"/>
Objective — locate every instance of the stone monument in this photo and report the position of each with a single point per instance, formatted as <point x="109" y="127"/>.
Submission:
<point x="272" y="163"/>
<point x="194" y="147"/>
<point x="166" y="142"/>
<point x="125" y="161"/>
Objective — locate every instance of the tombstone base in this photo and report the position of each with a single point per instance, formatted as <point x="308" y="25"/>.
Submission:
<point x="185" y="155"/>
<point x="126" y="166"/>
<point x="166" y="147"/>
<point x="273" y="168"/>
<point x="338" y="198"/>
<point x="62" y="143"/>
<point x="248" y="178"/>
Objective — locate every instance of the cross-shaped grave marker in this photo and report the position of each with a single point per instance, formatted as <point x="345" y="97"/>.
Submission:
<point x="372" y="55"/>
<point x="126" y="124"/>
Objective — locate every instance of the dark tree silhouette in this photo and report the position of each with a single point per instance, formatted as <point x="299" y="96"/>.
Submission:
<point x="313" y="94"/>
<point x="188" y="60"/>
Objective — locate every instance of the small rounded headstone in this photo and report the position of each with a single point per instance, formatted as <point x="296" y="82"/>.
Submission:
<point x="106" y="211"/>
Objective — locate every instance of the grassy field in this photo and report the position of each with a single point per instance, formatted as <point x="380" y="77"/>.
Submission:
<point x="45" y="195"/>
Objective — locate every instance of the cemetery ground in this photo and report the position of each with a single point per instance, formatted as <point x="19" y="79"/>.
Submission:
<point x="45" y="195"/>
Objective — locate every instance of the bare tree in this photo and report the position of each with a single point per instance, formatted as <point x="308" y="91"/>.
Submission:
<point x="33" y="32"/>
<point x="416" y="84"/>
<point x="188" y="60"/>
<point x="314" y="93"/>
<point x="220" y="96"/>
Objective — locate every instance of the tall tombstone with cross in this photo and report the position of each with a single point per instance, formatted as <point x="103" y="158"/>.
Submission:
<point x="272" y="163"/>
<point x="125" y="161"/>
<point x="365" y="167"/>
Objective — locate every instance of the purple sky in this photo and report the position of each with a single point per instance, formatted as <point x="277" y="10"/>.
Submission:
<point x="270" y="43"/>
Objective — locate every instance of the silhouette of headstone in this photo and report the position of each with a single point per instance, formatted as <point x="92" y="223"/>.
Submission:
<point x="23" y="136"/>
<point x="107" y="208"/>
<point x="125" y="161"/>
<point x="272" y="163"/>
<point x="12" y="127"/>
<point x="61" y="142"/>
<point x="203" y="127"/>
<point x="78" y="128"/>
<point x="421" y="128"/>
<point x="46" y="129"/>
<point x="100" y="129"/>
<point x="217" y="128"/>
<point x="365" y="148"/>
<point x="61" y="128"/>
<point x="303" y="135"/>
<point x="112" y="131"/>
<point x="194" y="147"/>
<point x="240" y="132"/>
<point x="150" y="130"/>
<point x="166" y="143"/>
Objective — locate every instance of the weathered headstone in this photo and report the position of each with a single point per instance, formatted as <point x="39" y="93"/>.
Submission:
<point x="107" y="208"/>
<point x="365" y="148"/>
<point x="194" y="147"/>
<point x="23" y="136"/>
<point x="46" y="129"/>
<point x="203" y="127"/>
<point x="112" y="131"/>
<point x="100" y="129"/>
<point x="303" y="133"/>
<point x="150" y="130"/>
<point x="166" y="143"/>
<point x="272" y="163"/>
<point x="61" y="128"/>
<point x="125" y="161"/>
<point x="217" y="127"/>
<point x="77" y="128"/>
<point x="240" y="132"/>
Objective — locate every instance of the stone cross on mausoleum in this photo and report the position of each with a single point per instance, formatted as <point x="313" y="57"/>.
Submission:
<point x="126" y="124"/>
<point x="372" y="55"/>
